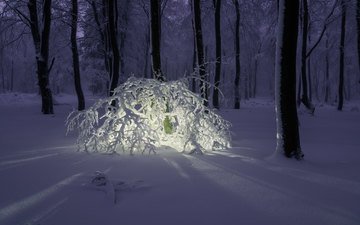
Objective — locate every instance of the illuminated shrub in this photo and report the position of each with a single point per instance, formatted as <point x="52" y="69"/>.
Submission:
<point x="144" y="114"/>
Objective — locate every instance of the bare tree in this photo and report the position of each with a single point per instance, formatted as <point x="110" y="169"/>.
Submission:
<point x="217" y="7"/>
<point x="342" y="50"/>
<point x="288" y="140"/>
<point x="200" y="50"/>
<point x="75" y="55"/>
<point x="107" y="27"/>
<point x="155" y="39"/>
<point x="112" y="17"/>
<point x="237" y="55"/>
<point x="40" y="35"/>
<point x="358" y="32"/>
<point x="305" y="24"/>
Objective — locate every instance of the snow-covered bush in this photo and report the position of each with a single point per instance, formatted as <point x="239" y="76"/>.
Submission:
<point x="144" y="114"/>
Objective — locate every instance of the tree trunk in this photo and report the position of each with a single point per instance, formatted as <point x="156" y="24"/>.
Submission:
<point x="12" y="77"/>
<point x="123" y="35"/>
<point x="305" y="23"/>
<point x="155" y="40"/>
<point x="103" y="36"/>
<point x="200" y="50"/>
<point x="75" y="56"/>
<point x="288" y="140"/>
<point x="237" y="56"/>
<point x="146" y="56"/>
<point x="327" y="71"/>
<point x="41" y="42"/>
<point x="112" y="17"/>
<point x="342" y="48"/>
<point x="194" y="61"/>
<point x="358" y="32"/>
<point x="217" y="6"/>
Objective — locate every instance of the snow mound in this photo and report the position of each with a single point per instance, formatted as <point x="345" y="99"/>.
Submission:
<point x="144" y="114"/>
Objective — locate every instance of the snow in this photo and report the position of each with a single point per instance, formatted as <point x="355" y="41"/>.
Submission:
<point x="45" y="181"/>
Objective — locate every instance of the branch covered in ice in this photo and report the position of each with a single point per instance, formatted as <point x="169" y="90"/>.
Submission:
<point x="144" y="114"/>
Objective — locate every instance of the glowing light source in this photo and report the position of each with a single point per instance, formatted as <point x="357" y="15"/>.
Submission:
<point x="144" y="114"/>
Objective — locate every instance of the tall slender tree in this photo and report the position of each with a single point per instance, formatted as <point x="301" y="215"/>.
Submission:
<point x="288" y="140"/>
<point x="155" y="21"/>
<point x="342" y="58"/>
<point x="75" y="55"/>
<point x="41" y="35"/>
<point x="305" y="92"/>
<point x="358" y="32"/>
<point x="200" y="49"/>
<point x="237" y="55"/>
<point x="327" y="70"/>
<point x="217" y="7"/>
<point x="112" y="17"/>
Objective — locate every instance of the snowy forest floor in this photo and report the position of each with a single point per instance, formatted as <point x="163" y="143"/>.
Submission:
<point x="44" y="181"/>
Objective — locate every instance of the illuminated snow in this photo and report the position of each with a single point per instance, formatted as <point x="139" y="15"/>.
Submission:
<point x="144" y="114"/>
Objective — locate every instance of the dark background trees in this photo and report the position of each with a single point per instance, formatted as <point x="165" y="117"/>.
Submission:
<point x="111" y="50"/>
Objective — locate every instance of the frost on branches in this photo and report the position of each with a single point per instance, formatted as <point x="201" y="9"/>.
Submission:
<point x="144" y="114"/>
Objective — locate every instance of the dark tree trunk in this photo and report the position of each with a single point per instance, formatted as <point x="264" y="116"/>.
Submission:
<point x="288" y="140"/>
<point x="327" y="71"/>
<point x="358" y="32"/>
<point x="305" y="23"/>
<point x="200" y="50"/>
<point x="111" y="9"/>
<point x="217" y="6"/>
<point x="193" y="80"/>
<point x="342" y="48"/>
<point x="75" y="56"/>
<point x="41" y="42"/>
<point x="155" y="40"/>
<point x="103" y="35"/>
<point x="123" y="36"/>
<point x="237" y="55"/>
<point x="12" y="77"/>
<point x="194" y="60"/>
<point x="146" y="56"/>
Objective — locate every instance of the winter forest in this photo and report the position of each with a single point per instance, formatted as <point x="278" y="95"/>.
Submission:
<point x="179" y="111"/>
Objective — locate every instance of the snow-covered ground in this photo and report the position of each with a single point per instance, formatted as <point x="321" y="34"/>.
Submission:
<point x="44" y="181"/>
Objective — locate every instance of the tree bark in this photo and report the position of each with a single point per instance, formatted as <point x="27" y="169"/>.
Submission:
<point x="237" y="56"/>
<point x="111" y="10"/>
<point x="194" y="59"/>
<point x="305" y="23"/>
<point x="217" y="6"/>
<point x="146" y="54"/>
<point x="41" y="43"/>
<point x="200" y="50"/>
<point x="123" y="35"/>
<point x="358" y="32"/>
<point x="327" y="71"/>
<point x="155" y="40"/>
<point x="288" y="140"/>
<point x="342" y="48"/>
<point x="75" y="55"/>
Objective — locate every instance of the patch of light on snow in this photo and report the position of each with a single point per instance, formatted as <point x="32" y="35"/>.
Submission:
<point x="10" y="162"/>
<point x="231" y="155"/>
<point x="35" y="220"/>
<point x="177" y="167"/>
<point x="17" y="207"/>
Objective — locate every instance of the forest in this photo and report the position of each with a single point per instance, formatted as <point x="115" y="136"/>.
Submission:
<point x="236" y="56"/>
<point x="179" y="112"/>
